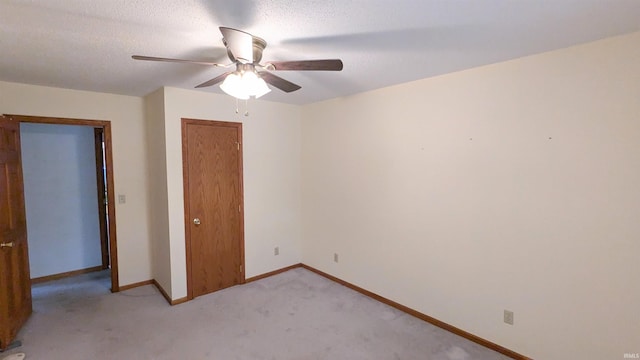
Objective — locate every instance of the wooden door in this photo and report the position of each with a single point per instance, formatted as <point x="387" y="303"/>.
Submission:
<point x="98" y="134"/>
<point x="212" y="159"/>
<point x="15" y="284"/>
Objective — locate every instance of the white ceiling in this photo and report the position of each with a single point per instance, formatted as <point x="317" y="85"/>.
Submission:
<point x="87" y="44"/>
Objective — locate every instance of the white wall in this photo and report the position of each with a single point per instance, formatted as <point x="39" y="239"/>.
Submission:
<point x="511" y="186"/>
<point x="129" y="157"/>
<point x="157" y="189"/>
<point x="271" y="151"/>
<point x="59" y="170"/>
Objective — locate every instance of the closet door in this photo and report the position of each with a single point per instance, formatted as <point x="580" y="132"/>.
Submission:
<point x="212" y="155"/>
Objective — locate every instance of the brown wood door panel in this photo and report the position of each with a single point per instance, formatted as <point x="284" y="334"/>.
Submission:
<point x="98" y="134"/>
<point x="15" y="285"/>
<point x="213" y="194"/>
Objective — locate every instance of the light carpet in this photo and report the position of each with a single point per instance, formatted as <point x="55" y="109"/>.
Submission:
<point x="294" y="315"/>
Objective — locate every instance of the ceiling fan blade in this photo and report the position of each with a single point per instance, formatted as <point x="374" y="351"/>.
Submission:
<point x="280" y="83"/>
<point x="239" y="43"/>
<point x="325" y="65"/>
<point x="214" y="81"/>
<point x="152" y="58"/>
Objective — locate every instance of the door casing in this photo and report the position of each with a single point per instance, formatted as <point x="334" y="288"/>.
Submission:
<point x="111" y="210"/>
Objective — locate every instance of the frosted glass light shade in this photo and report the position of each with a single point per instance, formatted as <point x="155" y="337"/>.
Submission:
<point x="232" y="85"/>
<point x="244" y="85"/>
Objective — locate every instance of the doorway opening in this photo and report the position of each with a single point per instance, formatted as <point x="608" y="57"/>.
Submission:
<point x="15" y="273"/>
<point x="92" y="199"/>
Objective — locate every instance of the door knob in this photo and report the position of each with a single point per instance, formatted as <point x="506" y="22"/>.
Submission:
<point x="196" y="221"/>
<point x="9" y="244"/>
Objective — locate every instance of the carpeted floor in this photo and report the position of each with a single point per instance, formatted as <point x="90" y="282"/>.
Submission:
<point x="295" y="315"/>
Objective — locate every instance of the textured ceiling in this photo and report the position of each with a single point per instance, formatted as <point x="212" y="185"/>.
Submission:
<point x="87" y="44"/>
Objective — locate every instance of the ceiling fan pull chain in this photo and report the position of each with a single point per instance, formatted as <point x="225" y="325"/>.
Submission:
<point x="237" y="110"/>
<point x="246" y="107"/>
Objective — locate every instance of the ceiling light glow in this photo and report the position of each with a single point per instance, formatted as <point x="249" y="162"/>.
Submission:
<point x="244" y="84"/>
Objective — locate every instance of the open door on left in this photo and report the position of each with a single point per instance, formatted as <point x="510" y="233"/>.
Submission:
<point x="15" y="282"/>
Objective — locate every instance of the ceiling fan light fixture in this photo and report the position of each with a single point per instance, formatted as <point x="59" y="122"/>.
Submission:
<point x="245" y="52"/>
<point x="255" y="85"/>
<point x="261" y="88"/>
<point x="245" y="84"/>
<point x="233" y="86"/>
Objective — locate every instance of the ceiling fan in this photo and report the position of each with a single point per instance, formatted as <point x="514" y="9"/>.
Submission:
<point x="248" y="79"/>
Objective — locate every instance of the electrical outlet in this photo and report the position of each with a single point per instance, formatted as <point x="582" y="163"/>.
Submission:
<point x="276" y="250"/>
<point x="508" y="317"/>
<point x="122" y="199"/>
<point x="335" y="257"/>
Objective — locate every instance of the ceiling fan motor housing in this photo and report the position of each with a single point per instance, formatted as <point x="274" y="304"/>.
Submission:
<point x="258" y="46"/>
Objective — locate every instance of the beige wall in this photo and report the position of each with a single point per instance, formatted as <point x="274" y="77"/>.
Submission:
<point x="271" y="150"/>
<point x="511" y="186"/>
<point x="129" y="157"/>
<point x="157" y="189"/>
